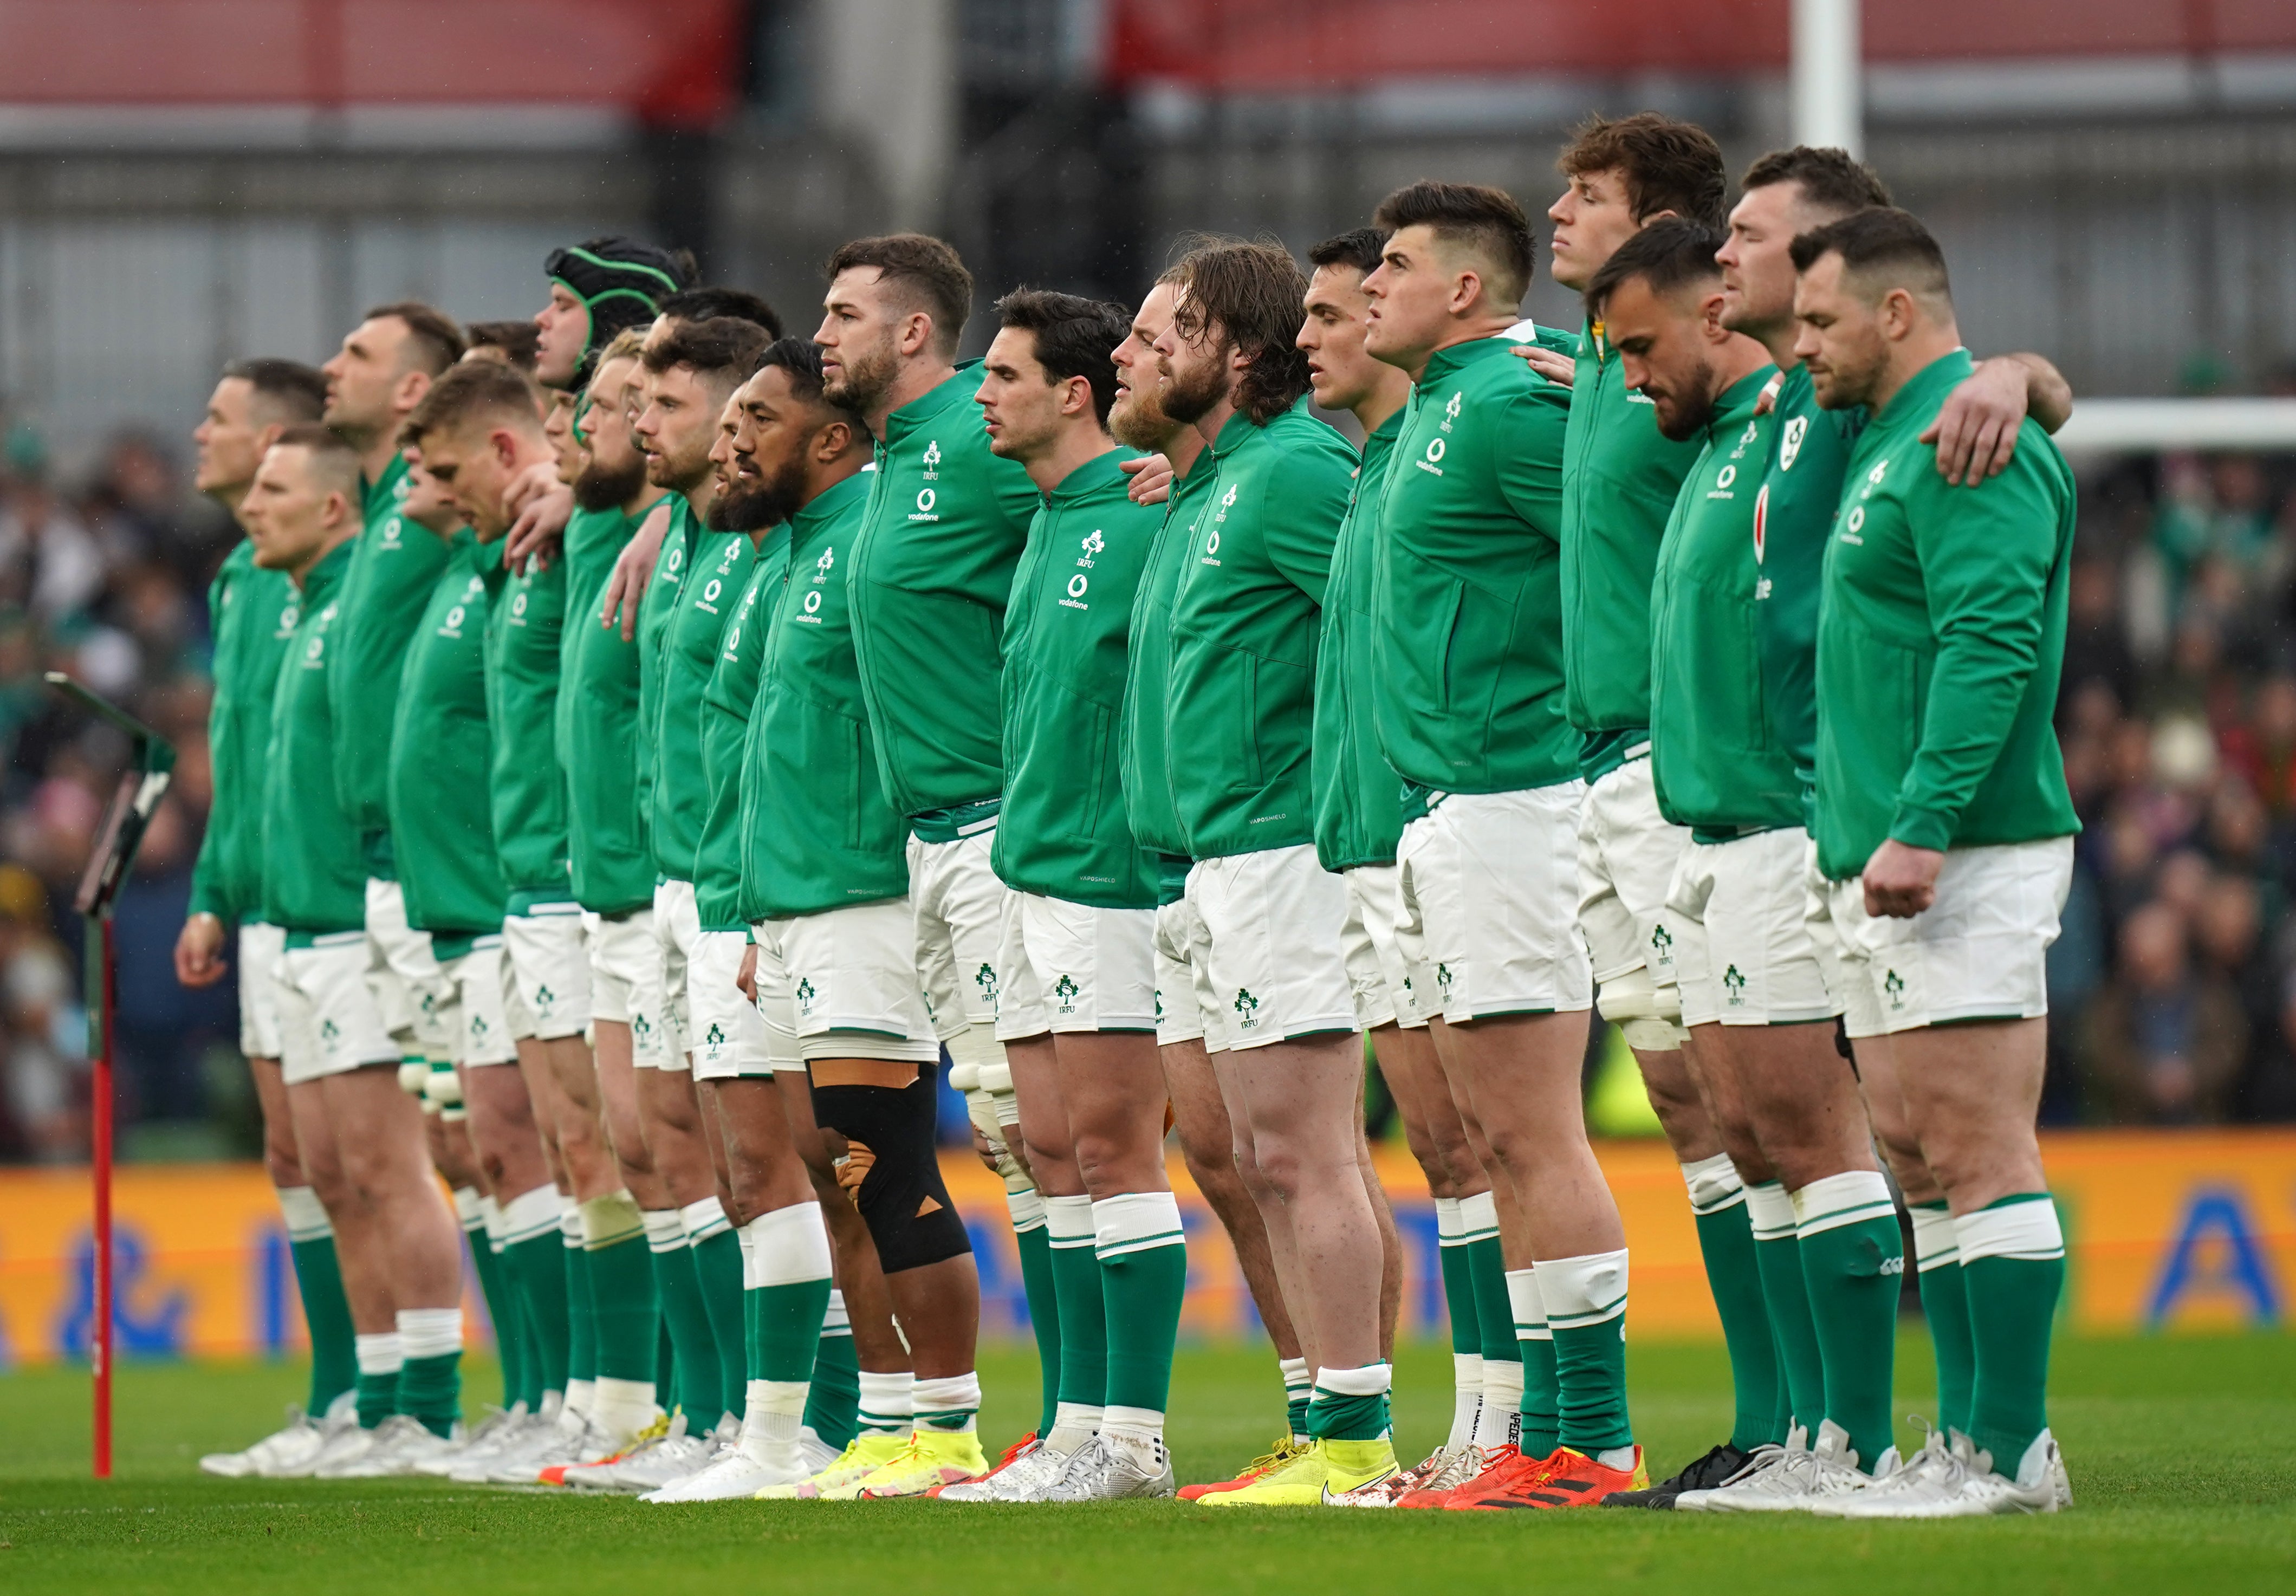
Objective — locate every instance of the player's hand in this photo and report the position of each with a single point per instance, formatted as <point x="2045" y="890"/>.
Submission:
<point x="198" y="952"/>
<point x="539" y="505"/>
<point x="633" y="569"/>
<point x="1560" y="369"/>
<point x="1901" y="881"/>
<point x="1976" y="429"/>
<point x="748" y="980"/>
<point x="985" y="1149"/>
<point x="1151" y="479"/>
<point x="1767" y="399"/>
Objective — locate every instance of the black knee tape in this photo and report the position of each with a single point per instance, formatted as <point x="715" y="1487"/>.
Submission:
<point x="1842" y="1046"/>
<point x="902" y="1198"/>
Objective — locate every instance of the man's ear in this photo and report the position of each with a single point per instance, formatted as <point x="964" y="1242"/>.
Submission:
<point x="916" y="332"/>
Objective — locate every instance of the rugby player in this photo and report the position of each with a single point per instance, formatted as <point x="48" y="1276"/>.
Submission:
<point x="1079" y="929"/>
<point x="251" y="613"/>
<point x="395" y="1240"/>
<point x="1947" y="844"/>
<point x="1244" y="619"/>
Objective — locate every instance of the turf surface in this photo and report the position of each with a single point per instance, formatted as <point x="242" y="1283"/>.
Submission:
<point x="2183" y="1471"/>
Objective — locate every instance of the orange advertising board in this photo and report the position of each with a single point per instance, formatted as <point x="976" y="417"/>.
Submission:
<point x="2166" y="1230"/>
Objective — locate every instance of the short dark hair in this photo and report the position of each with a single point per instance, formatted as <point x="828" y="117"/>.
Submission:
<point x="928" y="271"/>
<point x="329" y="451"/>
<point x="1668" y="165"/>
<point x="1075" y="337"/>
<point x="707" y="304"/>
<point x="1485" y="219"/>
<point x="1250" y="291"/>
<point x="285" y="390"/>
<point x="1879" y="242"/>
<point x="722" y="349"/>
<point x="1362" y="247"/>
<point x="435" y="339"/>
<point x="1670" y="254"/>
<point x="519" y="343"/>
<point x="800" y="357"/>
<point x="474" y="390"/>
<point x="1830" y="179"/>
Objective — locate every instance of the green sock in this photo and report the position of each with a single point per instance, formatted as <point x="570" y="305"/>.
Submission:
<point x="665" y="1352"/>
<point x="1777" y="1253"/>
<point x="537" y="1270"/>
<point x="1586" y="1303"/>
<point x="1035" y="1243"/>
<point x="1541" y="1419"/>
<point x="1076" y="1281"/>
<point x="2012" y="1267"/>
<point x="695" y="1374"/>
<point x="1726" y="1242"/>
<point x="380" y="1360"/>
<point x="1459" y="1280"/>
<point x="1299" y="1391"/>
<point x="319" y="1282"/>
<point x="1853" y="1265"/>
<point x="1144" y="1276"/>
<point x="430" y="1379"/>
<point x="833" y="1405"/>
<point x="1945" y="1307"/>
<point x="1502" y="1344"/>
<point x="581" y="1314"/>
<point x="624" y="1314"/>
<point x="717" y="1264"/>
<point x="789" y="1260"/>
<point x="494" y="1291"/>
<point x="1350" y="1404"/>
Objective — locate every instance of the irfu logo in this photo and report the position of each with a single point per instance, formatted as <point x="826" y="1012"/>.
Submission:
<point x="543" y="997"/>
<point x="805" y="994"/>
<point x="1065" y="989"/>
<point x="1736" y="983"/>
<point x="1661" y="942"/>
<point x="933" y="461"/>
<point x="1092" y="544"/>
<point x="1443" y="980"/>
<point x="825" y="564"/>
<point x="1247" y="1007"/>
<point x="716" y="1037"/>
<point x="641" y="1027"/>
<point x="328" y="1032"/>
<point x="1894" y="984"/>
<point x="985" y="978"/>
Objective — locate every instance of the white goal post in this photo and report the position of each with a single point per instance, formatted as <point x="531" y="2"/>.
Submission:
<point x="2137" y="426"/>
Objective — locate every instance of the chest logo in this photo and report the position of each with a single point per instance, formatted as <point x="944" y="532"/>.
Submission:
<point x="933" y="461"/>
<point x="1077" y="585"/>
<point x="1724" y="481"/>
<point x="1761" y="538"/>
<point x="1797" y="428"/>
<point x="1451" y="411"/>
<point x="824" y="565"/>
<point x="288" y="617"/>
<point x="1094" y="543"/>
<point x="1432" y="461"/>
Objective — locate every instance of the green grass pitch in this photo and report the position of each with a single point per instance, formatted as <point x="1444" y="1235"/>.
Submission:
<point x="2183" y="1454"/>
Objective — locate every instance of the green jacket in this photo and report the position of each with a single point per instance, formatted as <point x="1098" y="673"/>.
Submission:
<point x="598" y="726"/>
<point x="314" y="874"/>
<point x="1142" y="755"/>
<point x="526" y="631"/>
<point x="1245" y="621"/>
<point x="656" y="610"/>
<point x="1468" y="658"/>
<point x="1794" y="522"/>
<point x="1358" y="795"/>
<point x="394" y="566"/>
<point x="251" y="616"/>
<point x="816" y="831"/>
<point x="726" y="706"/>
<point x="707" y="598"/>
<point x="1719" y="770"/>
<point x="1619" y="478"/>
<point x="1940" y="640"/>
<point x="442" y="760"/>
<point x="931" y="573"/>
<point x="1061" y="831"/>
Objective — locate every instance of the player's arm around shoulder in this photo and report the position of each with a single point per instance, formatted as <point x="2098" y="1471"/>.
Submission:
<point x="1527" y="444"/>
<point x="1303" y="498"/>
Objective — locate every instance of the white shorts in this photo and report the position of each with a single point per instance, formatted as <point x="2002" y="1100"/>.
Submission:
<point x="676" y="928"/>
<point x="1486" y="898"/>
<point x="960" y="937"/>
<point x="471" y="1006"/>
<point x="1978" y="951"/>
<point x="1276" y="922"/>
<point x="1387" y="985"/>
<point x="843" y="984"/>
<point x="626" y="984"/>
<point x="547" y="968"/>
<point x="1738" y="914"/>
<point x="1627" y="854"/>
<point x="1086" y="968"/>
<point x="259" y="948"/>
<point x="1186" y="1009"/>
<point x="729" y="1034"/>
<point x="1860" y="1015"/>
<point x="403" y="973"/>
<point x="328" y="1020"/>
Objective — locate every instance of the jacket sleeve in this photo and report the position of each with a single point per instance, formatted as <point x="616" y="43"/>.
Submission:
<point x="1530" y="463"/>
<point x="1304" y="500"/>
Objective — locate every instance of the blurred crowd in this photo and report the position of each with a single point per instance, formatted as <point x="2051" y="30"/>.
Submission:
<point x="2173" y="986"/>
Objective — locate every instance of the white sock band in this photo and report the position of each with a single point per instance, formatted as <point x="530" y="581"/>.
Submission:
<point x="836" y="1321"/>
<point x="1135" y="1222"/>
<point x="468" y="1211"/>
<point x="1479" y="1216"/>
<point x="1069" y="1220"/>
<point x="1936" y="1242"/>
<point x="791" y="1244"/>
<point x="429" y="1332"/>
<point x="1849" y="1198"/>
<point x="1137" y="1424"/>
<point x="532" y="1214"/>
<point x="378" y="1353"/>
<point x="2023" y="1230"/>
<point x="1027" y="1208"/>
<point x="1502" y="1409"/>
<point x="704" y="1219"/>
<point x="490" y="1218"/>
<point x="610" y="1220"/>
<point x="937" y="1402"/>
<point x="1529" y="1308"/>
<point x="1450" y="1230"/>
<point x="305" y="1213"/>
<point x="665" y="1231"/>
<point x="885" y="1402"/>
<point x="569" y="1225"/>
<point x="1581" y="1292"/>
<point x="1770" y="1211"/>
<point x="1370" y="1379"/>
<point x="1714" y="1184"/>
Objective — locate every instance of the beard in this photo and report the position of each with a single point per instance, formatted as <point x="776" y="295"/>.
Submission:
<point x="753" y="503"/>
<point x="1188" y="399"/>
<point x="598" y="488"/>
<point x="866" y="380"/>
<point x="1689" y="413"/>
<point x="1137" y="418"/>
